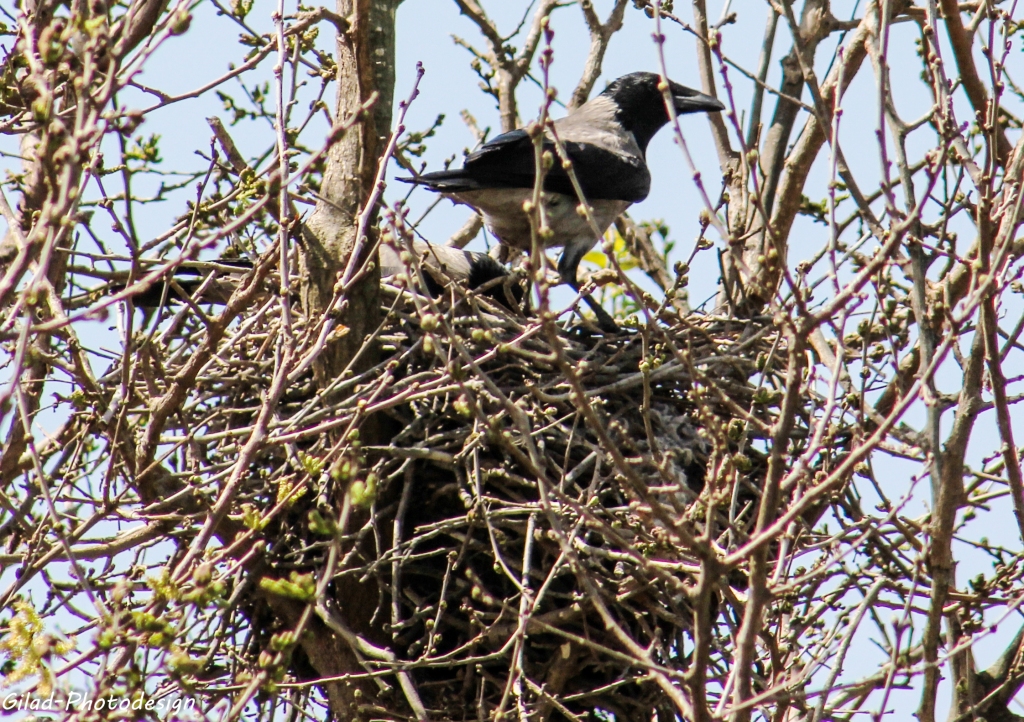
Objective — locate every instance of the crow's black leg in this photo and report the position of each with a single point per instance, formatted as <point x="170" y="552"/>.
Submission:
<point x="567" y="267"/>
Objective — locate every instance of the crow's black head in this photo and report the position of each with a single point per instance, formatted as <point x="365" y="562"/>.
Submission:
<point x="641" y="107"/>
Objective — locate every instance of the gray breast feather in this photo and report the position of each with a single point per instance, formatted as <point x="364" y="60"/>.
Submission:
<point x="502" y="209"/>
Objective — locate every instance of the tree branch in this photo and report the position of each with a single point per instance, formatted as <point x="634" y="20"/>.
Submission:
<point x="600" y="35"/>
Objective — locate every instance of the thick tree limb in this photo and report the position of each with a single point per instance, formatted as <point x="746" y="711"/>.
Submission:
<point x="962" y="43"/>
<point x="510" y="69"/>
<point x="600" y="35"/>
<point x="331" y="232"/>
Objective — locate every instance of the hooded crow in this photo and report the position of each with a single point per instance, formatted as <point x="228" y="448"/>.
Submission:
<point x="442" y="264"/>
<point x="606" y="139"/>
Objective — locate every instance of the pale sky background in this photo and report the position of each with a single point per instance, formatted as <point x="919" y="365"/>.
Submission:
<point x="425" y="28"/>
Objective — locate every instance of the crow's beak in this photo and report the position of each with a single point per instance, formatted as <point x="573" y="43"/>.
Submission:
<point x="694" y="102"/>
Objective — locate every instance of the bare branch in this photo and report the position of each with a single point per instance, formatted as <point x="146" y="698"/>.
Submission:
<point x="600" y="35"/>
<point x="962" y="43"/>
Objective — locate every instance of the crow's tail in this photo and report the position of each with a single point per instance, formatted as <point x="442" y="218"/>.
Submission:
<point x="444" y="181"/>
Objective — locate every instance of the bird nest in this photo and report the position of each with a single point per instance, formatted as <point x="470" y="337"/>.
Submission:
<point x="524" y="532"/>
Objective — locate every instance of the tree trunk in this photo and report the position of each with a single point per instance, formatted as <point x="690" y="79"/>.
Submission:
<point x="366" y="64"/>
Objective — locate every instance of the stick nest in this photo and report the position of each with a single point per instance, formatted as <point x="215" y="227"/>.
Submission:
<point x="522" y="534"/>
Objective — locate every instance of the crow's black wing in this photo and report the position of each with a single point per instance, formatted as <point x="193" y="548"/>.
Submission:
<point x="507" y="161"/>
<point x="502" y="162"/>
<point x="604" y="174"/>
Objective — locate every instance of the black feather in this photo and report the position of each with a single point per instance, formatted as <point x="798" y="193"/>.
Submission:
<point x="508" y="162"/>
